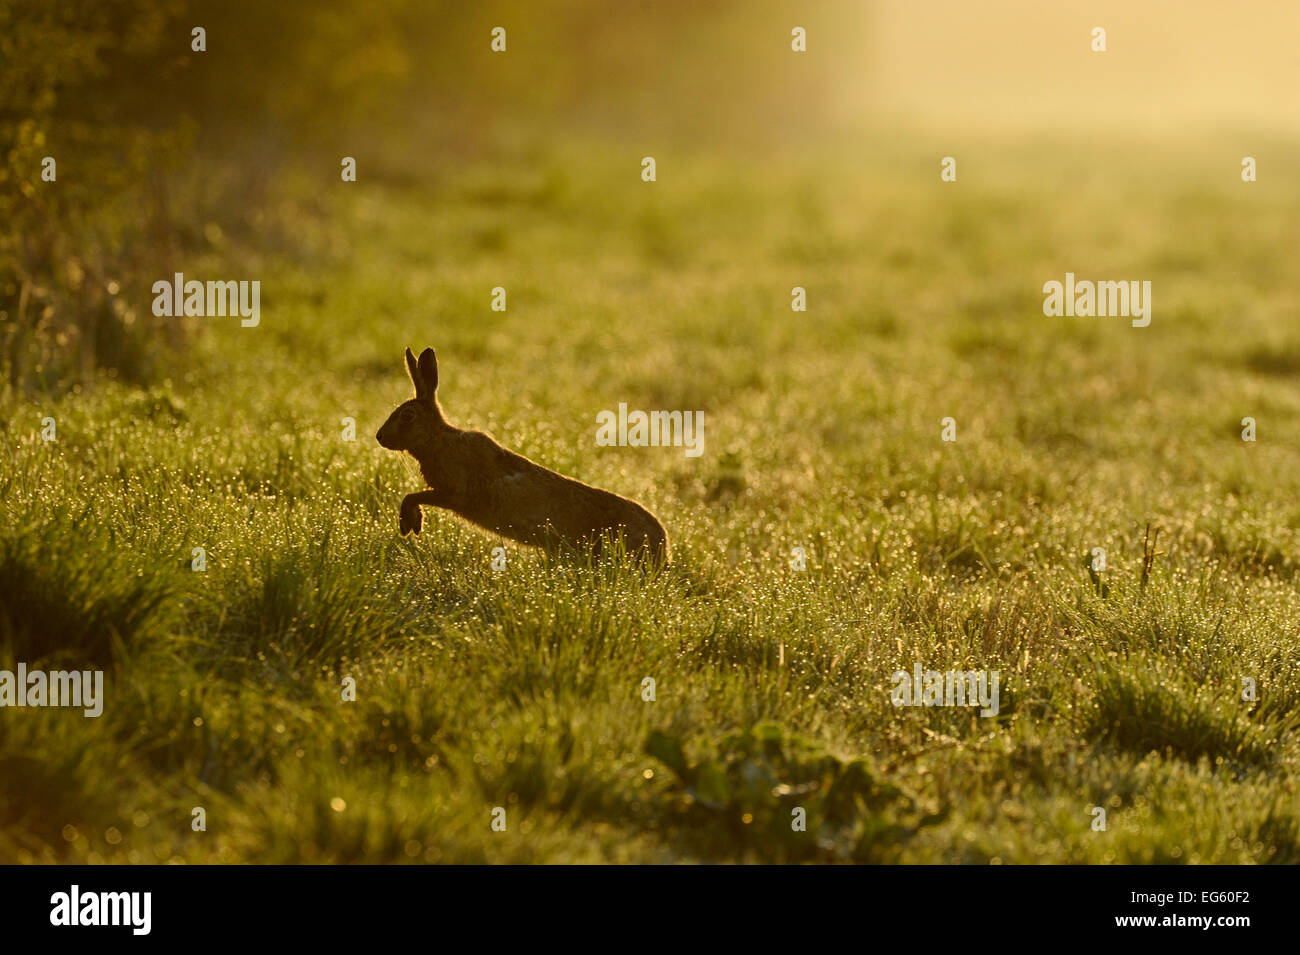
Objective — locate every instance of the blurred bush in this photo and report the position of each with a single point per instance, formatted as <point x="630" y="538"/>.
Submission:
<point x="164" y="153"/>
<point x="68" y="247"/>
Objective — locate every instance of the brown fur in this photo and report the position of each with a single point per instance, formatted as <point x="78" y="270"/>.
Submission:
<point x="471" y="475"/>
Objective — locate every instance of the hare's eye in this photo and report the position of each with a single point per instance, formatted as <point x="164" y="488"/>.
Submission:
<point x="408" y="415"/>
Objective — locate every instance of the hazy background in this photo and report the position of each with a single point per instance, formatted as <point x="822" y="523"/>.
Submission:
<point x="1018" y="65"/>
<point x="163" y="151"/>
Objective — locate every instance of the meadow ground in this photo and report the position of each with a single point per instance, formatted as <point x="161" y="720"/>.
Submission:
<point x="522" y="689"/>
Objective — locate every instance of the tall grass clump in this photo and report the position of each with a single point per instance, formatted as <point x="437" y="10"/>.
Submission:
<point x="1143" y="704"/>
<point x="69" y="593"/>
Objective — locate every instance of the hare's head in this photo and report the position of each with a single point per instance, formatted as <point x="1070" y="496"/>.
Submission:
<point x="416" y="423"/>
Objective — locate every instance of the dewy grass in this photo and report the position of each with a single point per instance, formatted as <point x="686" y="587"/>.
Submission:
<point x="1145" y="704"/>
<point x="68" y="594"/>
<point x="327" y="690"/>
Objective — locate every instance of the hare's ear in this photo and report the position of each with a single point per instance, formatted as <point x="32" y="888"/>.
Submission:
<point x="413" y="370"/>
<point x="429" y="371"/>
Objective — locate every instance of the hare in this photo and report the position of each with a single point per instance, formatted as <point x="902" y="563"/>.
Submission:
<point x="469" y="474"/>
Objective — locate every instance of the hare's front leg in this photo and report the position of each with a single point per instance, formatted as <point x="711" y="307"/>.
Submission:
<point x="410" y="520"/>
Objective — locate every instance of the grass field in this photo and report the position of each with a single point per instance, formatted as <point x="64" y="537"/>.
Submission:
<point x="522" y="689"/>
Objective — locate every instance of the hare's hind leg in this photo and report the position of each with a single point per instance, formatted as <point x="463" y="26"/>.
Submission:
<point x="410" y="520"/>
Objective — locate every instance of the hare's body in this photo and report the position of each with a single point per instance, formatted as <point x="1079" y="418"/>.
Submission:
<point x="517" y="498"/>
<point x="471" y="475"/>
